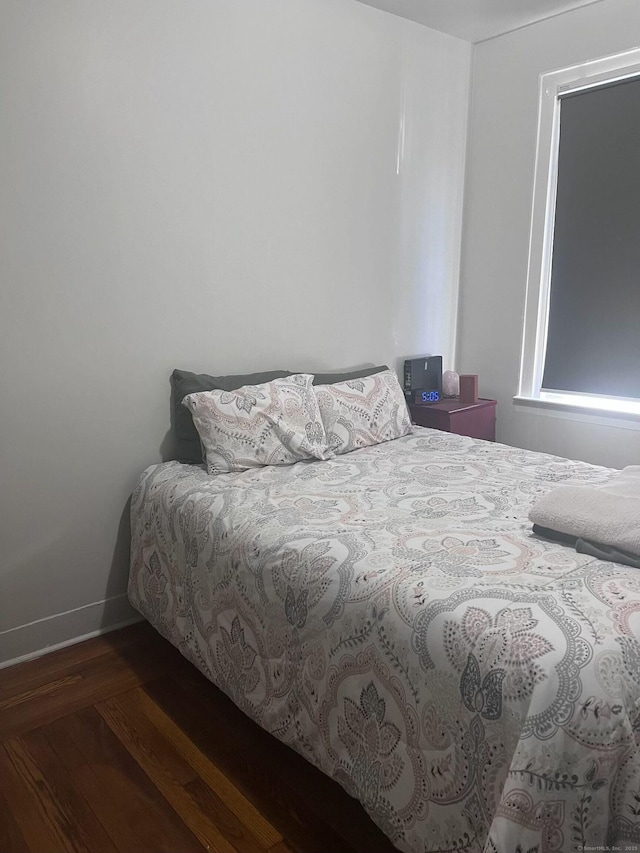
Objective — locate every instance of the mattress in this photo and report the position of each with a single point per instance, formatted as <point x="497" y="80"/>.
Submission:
<point x="390" y="615"/>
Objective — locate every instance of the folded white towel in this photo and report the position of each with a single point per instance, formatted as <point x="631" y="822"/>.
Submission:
<point x="608" y="514"/>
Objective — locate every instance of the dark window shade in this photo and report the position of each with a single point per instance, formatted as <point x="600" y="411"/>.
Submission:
<point x="593" y="341"/>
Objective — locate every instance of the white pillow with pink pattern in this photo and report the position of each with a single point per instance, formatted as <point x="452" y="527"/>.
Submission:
<point x="361" y="412"/>
<point x="276" y="423"/>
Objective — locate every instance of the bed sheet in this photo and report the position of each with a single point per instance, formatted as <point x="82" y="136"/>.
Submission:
<point x="390" y="615"/>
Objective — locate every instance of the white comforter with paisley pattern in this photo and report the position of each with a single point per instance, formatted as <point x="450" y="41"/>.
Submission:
<point x="389" y="615"/>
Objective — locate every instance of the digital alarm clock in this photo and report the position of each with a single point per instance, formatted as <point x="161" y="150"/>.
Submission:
<point x="424" y="397"/>
<point x="423" y="379"/>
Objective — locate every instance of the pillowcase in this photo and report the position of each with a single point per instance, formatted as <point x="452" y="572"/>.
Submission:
<point x="275" y="423"/>
<point x="183" y="382"/>
<point x="362" y="412"/>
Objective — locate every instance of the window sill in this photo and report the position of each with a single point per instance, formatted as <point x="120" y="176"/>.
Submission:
<point x="587" y="412"/>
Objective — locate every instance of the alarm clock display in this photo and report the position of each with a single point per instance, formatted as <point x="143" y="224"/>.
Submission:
<point x="425" y="396"/>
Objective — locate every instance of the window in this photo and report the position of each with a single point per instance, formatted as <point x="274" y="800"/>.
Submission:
<point x="581" y="343"/>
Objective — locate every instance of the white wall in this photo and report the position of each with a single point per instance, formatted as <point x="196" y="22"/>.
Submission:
<point x="498" y="197"/>
<point x="206" y="184"/>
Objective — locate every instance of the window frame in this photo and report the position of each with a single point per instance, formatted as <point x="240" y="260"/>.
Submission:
<point x="552" y="86"/>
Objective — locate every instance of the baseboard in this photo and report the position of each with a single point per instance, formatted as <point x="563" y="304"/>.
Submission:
<point x="64" y="629"/>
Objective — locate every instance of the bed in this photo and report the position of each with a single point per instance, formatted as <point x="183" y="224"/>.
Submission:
<point x="389" y="614"/>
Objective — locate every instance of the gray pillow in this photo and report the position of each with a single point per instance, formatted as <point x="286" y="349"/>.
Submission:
<point x="332" y="378"/>
<point x="184" y="382"/>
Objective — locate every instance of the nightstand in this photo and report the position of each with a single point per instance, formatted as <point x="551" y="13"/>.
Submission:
<point x="477" y="420"/>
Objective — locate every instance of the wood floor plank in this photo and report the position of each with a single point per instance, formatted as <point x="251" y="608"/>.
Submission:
<point x="34" y="805"/>
<point x="179" y="798"/>
<point x="139" y="705"/>
<point x="105" y="676"/>
<point x="85" y="829"/>
<point x="41" y="691"/>
<point x="281" y="847"/>
<point x="59" y="737"/>
<point x="159" y="749"/>
<point x="131" y="809"/>
<point x="233" y="829"/>
<point x="11" y="838"/>
<point x="34" y="673"/>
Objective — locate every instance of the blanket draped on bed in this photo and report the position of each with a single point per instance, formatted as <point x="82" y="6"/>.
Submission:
<point x="390" y="615"/>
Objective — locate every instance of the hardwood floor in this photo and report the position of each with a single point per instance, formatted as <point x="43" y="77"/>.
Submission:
<point x="118" y="745"/>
